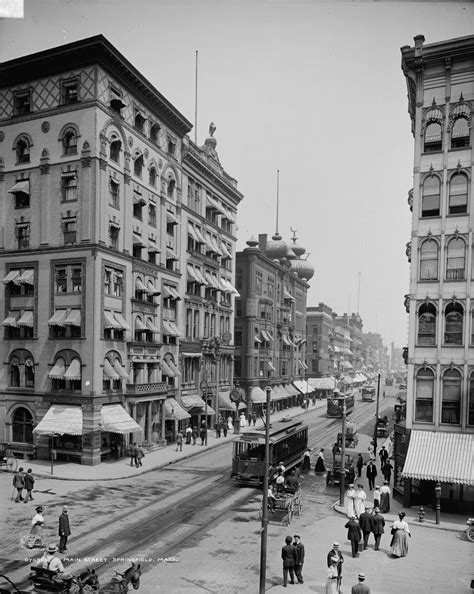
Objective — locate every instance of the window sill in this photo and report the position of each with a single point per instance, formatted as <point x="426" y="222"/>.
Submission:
<point x="455" y="149"/>
<point x="428" y="280"/>
<point x="423" y="218"/>
<point x="457" y="214"/>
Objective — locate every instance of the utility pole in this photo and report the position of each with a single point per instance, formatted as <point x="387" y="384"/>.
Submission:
<point x="264" y="529"/>
<point x="342" y="484"/>
<point x="376" y="415"/>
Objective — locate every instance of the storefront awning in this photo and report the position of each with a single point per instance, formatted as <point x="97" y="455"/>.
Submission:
<point x="258" y="396"/>
<point x="442" y="457"/>
<point x="196" y="402"/>
<point x="109" y="371"/>
<point x="292" y="390"/>
<point x="116" y="419"/>
<point x="61" y="420"/>
<point x="225" y="403"/>
<point x="322" y="383"/>
<point x="174" y="411"/>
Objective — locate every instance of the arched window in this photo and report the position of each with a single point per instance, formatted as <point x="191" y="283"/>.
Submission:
<point x="66" y="373"/>
<point x="152" y="176"/>
<point x="70" y="142"/>
<point x="14" y="373"/>
<point x="429" y="260"/>
<point x="460" y="133"/>
<point x="424" y="395"/>
<point x="433" y="140"/>
<point x="451" y="399"/>
<point x="29" y="373"/>
<point x="154" y="133"/>
<point x="139" y="121"/>
<point x="22" y="426"/>
<point x="170" y="188"/>
<point x="456" y="259"/>
<point x="430" y="197"/>
<point x="23" y="150"/>
<point x="470" y="409"/>
<point x="138" y="166"/>
<point x="453" y="328"/>
<point x="427" y="325"/>
<point x="458" y="194"/>
<point x="115" y="148"/>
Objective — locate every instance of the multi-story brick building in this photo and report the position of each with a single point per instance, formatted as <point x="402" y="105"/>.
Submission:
<point x="320" y="329"/>
<point x="95" y="253"/>
<point x="434" y="447"/>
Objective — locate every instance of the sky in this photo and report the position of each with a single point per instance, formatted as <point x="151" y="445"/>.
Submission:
<point x="312" y="89"/>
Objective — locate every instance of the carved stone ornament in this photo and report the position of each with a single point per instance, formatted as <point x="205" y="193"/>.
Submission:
<point x="410" y="199"/>
<point x="2" y="135"/>
<point x="145" y="153"/>
<point x="406" y="303"/>
<point x="45" y="127"/>
<point x="130" y="141"/>
<point x="45" y="153"/>
<point x="408" y="251"/>
<point x="160" y="163"/>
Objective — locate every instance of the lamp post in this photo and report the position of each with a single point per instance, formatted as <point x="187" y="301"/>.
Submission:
<point x="376" y="415"/>
<point x="263" y="541"/>
<point x="52" y="450"/>
<point x="342" y="484"/>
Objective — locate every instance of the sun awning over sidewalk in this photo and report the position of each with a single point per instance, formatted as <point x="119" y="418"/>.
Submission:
<point x="116" y="419"/>
<point x="442" y="457"/>
<point x="174" y="411"/>
<point x="60" y="420"/>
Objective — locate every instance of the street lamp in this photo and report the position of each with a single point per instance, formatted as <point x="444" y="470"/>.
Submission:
<point x="263" y="541"/>
<point x="52" y="450"/>
<point x="376" y="415"/>
<point x="342" y="483"/>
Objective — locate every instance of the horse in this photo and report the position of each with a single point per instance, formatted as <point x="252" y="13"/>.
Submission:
<point x="86" y="581"/>
<point x="120" y="583"/>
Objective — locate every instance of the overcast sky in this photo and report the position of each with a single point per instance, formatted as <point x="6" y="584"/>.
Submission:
<point x="310" y="88"/>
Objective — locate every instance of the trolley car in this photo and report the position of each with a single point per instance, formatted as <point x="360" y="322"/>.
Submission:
<point x="368" y="393"/>
<point x="286" y="445"/>
<point x="336" y="403"/>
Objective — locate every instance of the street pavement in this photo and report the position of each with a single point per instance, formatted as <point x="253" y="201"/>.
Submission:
<point x="440" y="559"/>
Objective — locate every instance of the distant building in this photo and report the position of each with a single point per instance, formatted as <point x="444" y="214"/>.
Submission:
<point x="434" y="446"/>
<point x="320" y="331"/>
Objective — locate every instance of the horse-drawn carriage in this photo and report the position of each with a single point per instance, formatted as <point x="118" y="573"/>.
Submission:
<point x="287" y="504"/>
<point x="352" y="439"/>
<point x="382" y="427"/>
<point x="333" y="474"/>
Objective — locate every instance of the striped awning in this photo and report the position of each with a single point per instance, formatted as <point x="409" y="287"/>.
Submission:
<point x="171" y="292"/>
<point x="26" y="278"/>
<point x="58" y="318"/>
<point x="196" y="402"/>
<point x="109" y="371"/>
<point x="174" y="411"/>
<point x="60" y="420"/>
<point x="120" y="319"/>
<point x="110" y="322"/>
<point x="26" y="319"/>
<point x="258" y="396"/>
<point x="73" y="372"/>
<point x="120" y="370"/>
<point x="116" y="419"/>
<point x="442" y="457"/>
<point x="11" y="276"/>
<point x="22" y="186"/>
<point x="73" y="318"/>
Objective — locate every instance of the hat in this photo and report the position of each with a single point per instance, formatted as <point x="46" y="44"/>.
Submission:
<point x="64" y="507"/>
<point x="353" y="517"/>
<point x="351" y="486"/>
<point x="385" y="482"/>
<point x="360" y="486"/>
<point x="39" y="508"/>
<point x="296" y="536"/>
<point x="376" y="510"/>
<point x="361" y="576"/>
<point x="377" y="486"/>
<point x="52" y="548"/>
<point x="335" y="544"/>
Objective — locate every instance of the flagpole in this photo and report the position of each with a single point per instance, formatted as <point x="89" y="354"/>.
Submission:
<point x="196" y="100"/>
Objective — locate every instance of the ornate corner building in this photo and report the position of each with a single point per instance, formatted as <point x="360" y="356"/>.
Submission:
<point x="434" y="445"/>
<point x="115" y="253"/>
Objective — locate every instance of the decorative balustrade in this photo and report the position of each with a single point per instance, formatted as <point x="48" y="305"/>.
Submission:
<point x="153" y="387"/>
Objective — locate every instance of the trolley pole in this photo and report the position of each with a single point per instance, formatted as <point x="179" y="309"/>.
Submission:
<point x="342" y="484"/>
<point x="263" y="541"/>
<point x="376" y="415"/>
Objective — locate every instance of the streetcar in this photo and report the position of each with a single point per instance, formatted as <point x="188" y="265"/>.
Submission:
<point x="287" y="445"/>
<point x="336" y="402"/>
<point x="368" y="393"/>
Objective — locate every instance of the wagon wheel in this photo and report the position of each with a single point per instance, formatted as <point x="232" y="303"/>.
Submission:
<point x="11" y="464"/>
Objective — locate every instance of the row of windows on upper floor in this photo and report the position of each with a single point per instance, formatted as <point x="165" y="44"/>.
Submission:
<point x="460" y="135"/>
<point x="455" y="260"/>
<point x="453" y="325"/>
<point x="70" y="94"/>
<point x="458" y="193"/>
<point x="456" y="399"/>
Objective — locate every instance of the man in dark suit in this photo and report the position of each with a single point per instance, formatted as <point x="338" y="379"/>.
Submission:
<point x="64" y="530"/>
<point x="354" y="534"/>
<point x="387" y="471"/>
<point x="299" y="548"/>
<point x="288" y="554"/>
<point x="335" y="552"/>
<point x="378" y="524"/>
<point x="371" y="473"/>
<point x="365" y="523"/>
<point x="383" y="455"/>
<point x="361" y="587"/>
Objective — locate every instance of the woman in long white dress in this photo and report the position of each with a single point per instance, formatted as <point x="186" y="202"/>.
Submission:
<point x="349" y="499"/>
<point x="331" y="579"/>
<point x="400" y="532"/>
<point x="359" y="501"/>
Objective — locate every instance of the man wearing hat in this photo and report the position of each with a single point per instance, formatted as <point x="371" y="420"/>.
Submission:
<point x="365" y="523"/>
<point x="378" y="523"/>
<point x="361" y="587"/>
<point x="299" y="548"/>
<point x="335" y="552"/>
<point x="354" y="534"/>
<point x="64" y="530"/>
<point x="50" y="561"/>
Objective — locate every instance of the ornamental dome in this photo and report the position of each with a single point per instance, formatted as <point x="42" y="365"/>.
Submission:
<point x="276" y="248"/>
<point x="303" y="269"/>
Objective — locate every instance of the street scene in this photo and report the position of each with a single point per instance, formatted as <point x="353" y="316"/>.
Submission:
<point x="236" y="255"/>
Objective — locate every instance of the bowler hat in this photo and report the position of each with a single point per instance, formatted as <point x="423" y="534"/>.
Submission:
<point x="361" y="576"/>
<point x="52" y="548"/>
<point x="39" y="508"/>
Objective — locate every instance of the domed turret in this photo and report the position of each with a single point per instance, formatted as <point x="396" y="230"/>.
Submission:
<point x="276" y="248"/>
<point x="303" y="269"/>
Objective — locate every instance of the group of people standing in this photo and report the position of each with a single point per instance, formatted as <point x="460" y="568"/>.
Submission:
<point x="136" y="455"/>
<point x="359" y="530"/>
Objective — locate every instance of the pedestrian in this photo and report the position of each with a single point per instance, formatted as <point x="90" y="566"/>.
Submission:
<point x="306" y="466"/>
<point x="271" y="498"/>
<point x="349" y="499"/>
<point x="385" y="498"/>
<point x="64" y="529"/>
<point x="224" y="428"/>
<point x="299" y="547"/>
<point x="359" y="501"/>
<point x="254" y="419"/>
<point x="383" y="455"/>
<point x="218" y="428"/>
<point x="37" y="524"/>
<point x="320" y="466"/>
<point x="361" y="587"/>
<point x="371" y="449"/>
<point x="335" y="552"/>
<point x="350" y="473"/>
<point x="354" y="534"/>
<point x="114" y="450"/>
<point x="332" y="579"/>
<point x="378" y="523"/>
<point x="335" y="450"/>
<point x="50" y="561"/>
<point x="366" y="525"/>
<point x="195" y="434"/>
<point x="230" y="423"/>
<point x="189" y="434"/>
<point x="377" y="497"/>
<point x="371" y="472"/>
<point x="179" y="441"/>
<point x="133" y="454"/>
<point x="19" y="484"/>
<point x="140" y="455"/>
<point x="387" y="471"/>
<point x="29" y="481"/>
<point x="288" y="554"/>
<point x="400" y="533"/>
<point x="203" y="434"/>
<point x="280" y="481"/>
<point x="359" y="464"/>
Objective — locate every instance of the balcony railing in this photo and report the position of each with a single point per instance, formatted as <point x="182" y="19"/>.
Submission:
<point x="154" y="387"/>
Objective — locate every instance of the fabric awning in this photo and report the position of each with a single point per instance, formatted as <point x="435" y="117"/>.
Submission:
<point x="22" y="186"/>
<point x="166" y="369"/>
<point x="225" y="252"/>
<point x="120" y="370"/>
<point x="58" y="318"/>
<point x="59" y="369"/>
<point x="257" y="395"/>
<point x="10" y="321"/>
<point x="26" y="319"/>
<point x="292" y="390"/>
<point x="169" y="328"/>
<point x="11" y="276"/>
<point x="73" y="372"/>
<point x="139" y="286"/>
<point x="151" y="289"/>
<point x="174" y="411"/>
<point x="171" y="255"/>
<point x="199" y="235"/>
<point x="192" y="273"/>
<point x="120" y="319"/>
<point x="116" y="419"/>
<point x="347" y="380"/>
<point x="110" y="322"/>
<point x="225" y="403"/>
<point x="26" y="278"/>
<point x="73" y="318"/>
<point x="109" y="371"/>
<point x="137" y="240"/>
<point x="171" y="292"/>
<point x="174" y="368"/>
<point x="231" y="287"/>
<point x="170" y="218"/>
<point x="287" y="341"/>
<point x="346" y="365"/>
<point x="322" y="383"/>
<point x="439" y="456"/>
<point x="195" y="401"/>
<point x="61" y="420"/>
<point x="270" y="366"/>
<point x="139" y="325"/>
<point x="267" y="337"/>
<point x="151" y="326"/>
<point x="287" y="295"/>
<point x="192" y="232"/>
<point x="256" y="339"/>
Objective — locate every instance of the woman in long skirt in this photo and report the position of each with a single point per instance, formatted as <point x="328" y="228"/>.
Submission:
<point x="331" y="581"/>
<point x="401" y="532"/>
<point x="385" y="498"/>
<point x="320" y="466"/>
<point x="35" y="538"/>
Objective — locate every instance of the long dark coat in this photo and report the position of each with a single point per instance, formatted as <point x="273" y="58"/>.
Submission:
<point x="365" y="522"/>
<point x="371" y="471"/>
<point x="64" y="525"/>
<point x="353" y="530"/>
<point x="299" y="548"/>
<point x="288" y="554"/>
<point x="378" y="524"/>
